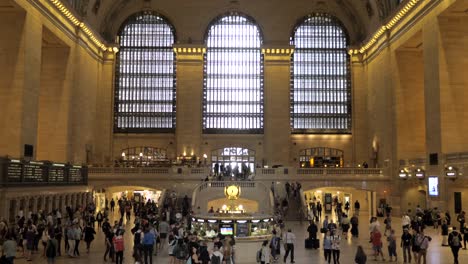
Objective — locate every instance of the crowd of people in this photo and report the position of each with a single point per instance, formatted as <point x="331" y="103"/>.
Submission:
<point x="167" y="229"/>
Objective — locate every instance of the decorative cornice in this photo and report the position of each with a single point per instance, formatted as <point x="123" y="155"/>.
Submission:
<point x="189" y="52"/>
<point x="278" y="51"/>
<point x="90" y="35"/>
<point x="189" y="49"/>
<point x="407" y="9"/>
<point x="277" y="54"/>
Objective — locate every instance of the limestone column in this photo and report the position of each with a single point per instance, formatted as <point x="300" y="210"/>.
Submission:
<point x="277" y="124"/>
<point x="189" y="99"/>
<point x="432" y="54"/>
<point x="20" y="81"/>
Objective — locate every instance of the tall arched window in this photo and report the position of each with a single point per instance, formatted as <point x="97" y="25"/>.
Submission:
<point x="320" y="74"/>
<point x="145" y="75"/>
<point x="233" y="76"/>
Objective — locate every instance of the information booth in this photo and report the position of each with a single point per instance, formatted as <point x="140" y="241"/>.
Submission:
<point x="241" y="226"/>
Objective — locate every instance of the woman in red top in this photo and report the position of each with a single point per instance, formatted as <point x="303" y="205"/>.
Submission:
<point x="118" y="241"/>
<point x="376" y="238"/>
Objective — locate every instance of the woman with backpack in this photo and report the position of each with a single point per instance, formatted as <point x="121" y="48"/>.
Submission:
<point x="454" y="241"/>
<point x="265" y="258"/>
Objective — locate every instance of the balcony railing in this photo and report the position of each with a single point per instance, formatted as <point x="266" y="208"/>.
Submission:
<point x="184" y="173"/>
<point x="15" y="172"/>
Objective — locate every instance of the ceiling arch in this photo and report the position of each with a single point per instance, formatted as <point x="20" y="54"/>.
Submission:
<point x="275" y="17"/>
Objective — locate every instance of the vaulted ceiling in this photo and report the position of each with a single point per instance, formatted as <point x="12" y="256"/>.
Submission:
<point x="277" y="18"/>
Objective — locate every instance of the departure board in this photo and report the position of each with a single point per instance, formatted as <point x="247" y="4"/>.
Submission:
<point x="33" y="173"/>
<point x="14" y="172"/>
<point x="74" y="175"/>
<point x="57" y="174"/>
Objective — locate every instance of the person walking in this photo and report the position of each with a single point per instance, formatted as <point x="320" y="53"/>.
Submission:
<point x="148" y="243"/>
<point x="77" y="233"/>
<point x="454" y="241"/>
<point x="357" y="206"/>
<point x="51" y="249"/>
<point x="99" y="219"/>
<point x="361" y="257"/>
<point x="119" y="247"/>
<point x="392" y="245"/>
<point x="423" y="242"/>
<point x="89" y="236"/>
<point x="109" y="245"/>
<point x="405" y="244"/>
<point x="376" y="239"/>
<point x="327" y="246"/>
<point x="71" y="240"/>
<point x="335" y="239"/>
<point x="58" y="235"/>
<point x="445" y="233"/>
<point x="289" y="239"/>
<point x="465" y="235"/>
<point x="9" y="248"/>
<point x="112" y="204"/>
<point x="354" y="226"/>
<point x="163" y="231"/>
<point x="266" y="252"/>
<point x="319" y="209"/>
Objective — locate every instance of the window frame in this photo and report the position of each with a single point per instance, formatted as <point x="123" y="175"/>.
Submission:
<point x="116" y="129"/>
<point x="328" y="115"/>
<point x="261" y="114"/>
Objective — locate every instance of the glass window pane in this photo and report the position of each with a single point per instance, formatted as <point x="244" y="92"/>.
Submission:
<point x="321" y="83"/>
<point x="233" y="76"/>
<point x="145" y="75"/>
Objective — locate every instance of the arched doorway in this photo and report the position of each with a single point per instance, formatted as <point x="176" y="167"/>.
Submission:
<point x="233" y="159"/>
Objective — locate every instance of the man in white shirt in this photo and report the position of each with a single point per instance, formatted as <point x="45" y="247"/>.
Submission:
<point x="289" y="239"/>
<point x="405" y="221"/>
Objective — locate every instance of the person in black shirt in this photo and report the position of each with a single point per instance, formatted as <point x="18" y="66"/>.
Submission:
<point x="58" y="235"/>
<point x="312" y="229"/>
<point x="406" y="239"/>
<point x="357" y="206"/>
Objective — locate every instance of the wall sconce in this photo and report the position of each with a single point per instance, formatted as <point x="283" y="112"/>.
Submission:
<point x="403" y="174"/>
<point x="123" y="154"/>
<point x="420" y="173"/>
<point x="451" y="172"/>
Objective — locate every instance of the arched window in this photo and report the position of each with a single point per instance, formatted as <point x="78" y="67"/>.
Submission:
<point x="233" y="76"/>
<point x="320" y="74"/>
<point x="145" y="84"/>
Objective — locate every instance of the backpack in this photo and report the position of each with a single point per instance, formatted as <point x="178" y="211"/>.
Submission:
<point x="259" y="255"/>
<point x="51" y="250"/>
<point x="180" y="251"/>
<point x="455" y="240"/>
<point x="215" y="259"/>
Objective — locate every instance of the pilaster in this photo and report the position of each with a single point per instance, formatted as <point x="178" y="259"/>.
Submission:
<point x="277" y="124"/>
<point x="432" y="58"/>
<point x="189" y="98"/>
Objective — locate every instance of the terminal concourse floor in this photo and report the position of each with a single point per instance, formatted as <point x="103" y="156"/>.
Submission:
<point x="246" y="251"/>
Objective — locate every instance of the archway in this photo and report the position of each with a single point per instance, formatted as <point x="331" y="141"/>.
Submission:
<point x="233" y="159"/>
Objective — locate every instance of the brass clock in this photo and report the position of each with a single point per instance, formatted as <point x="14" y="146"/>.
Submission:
<point x="232" y="192"/>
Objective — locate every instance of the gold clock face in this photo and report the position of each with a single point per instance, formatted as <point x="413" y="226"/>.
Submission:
<point x="232" y="192"/>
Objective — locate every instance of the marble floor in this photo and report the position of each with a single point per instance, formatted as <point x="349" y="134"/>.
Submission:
<point x="246" y="251"/>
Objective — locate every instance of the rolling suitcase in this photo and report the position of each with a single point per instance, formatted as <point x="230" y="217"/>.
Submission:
<point x="316" y="243"/>
<point x="309" y="243"/>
